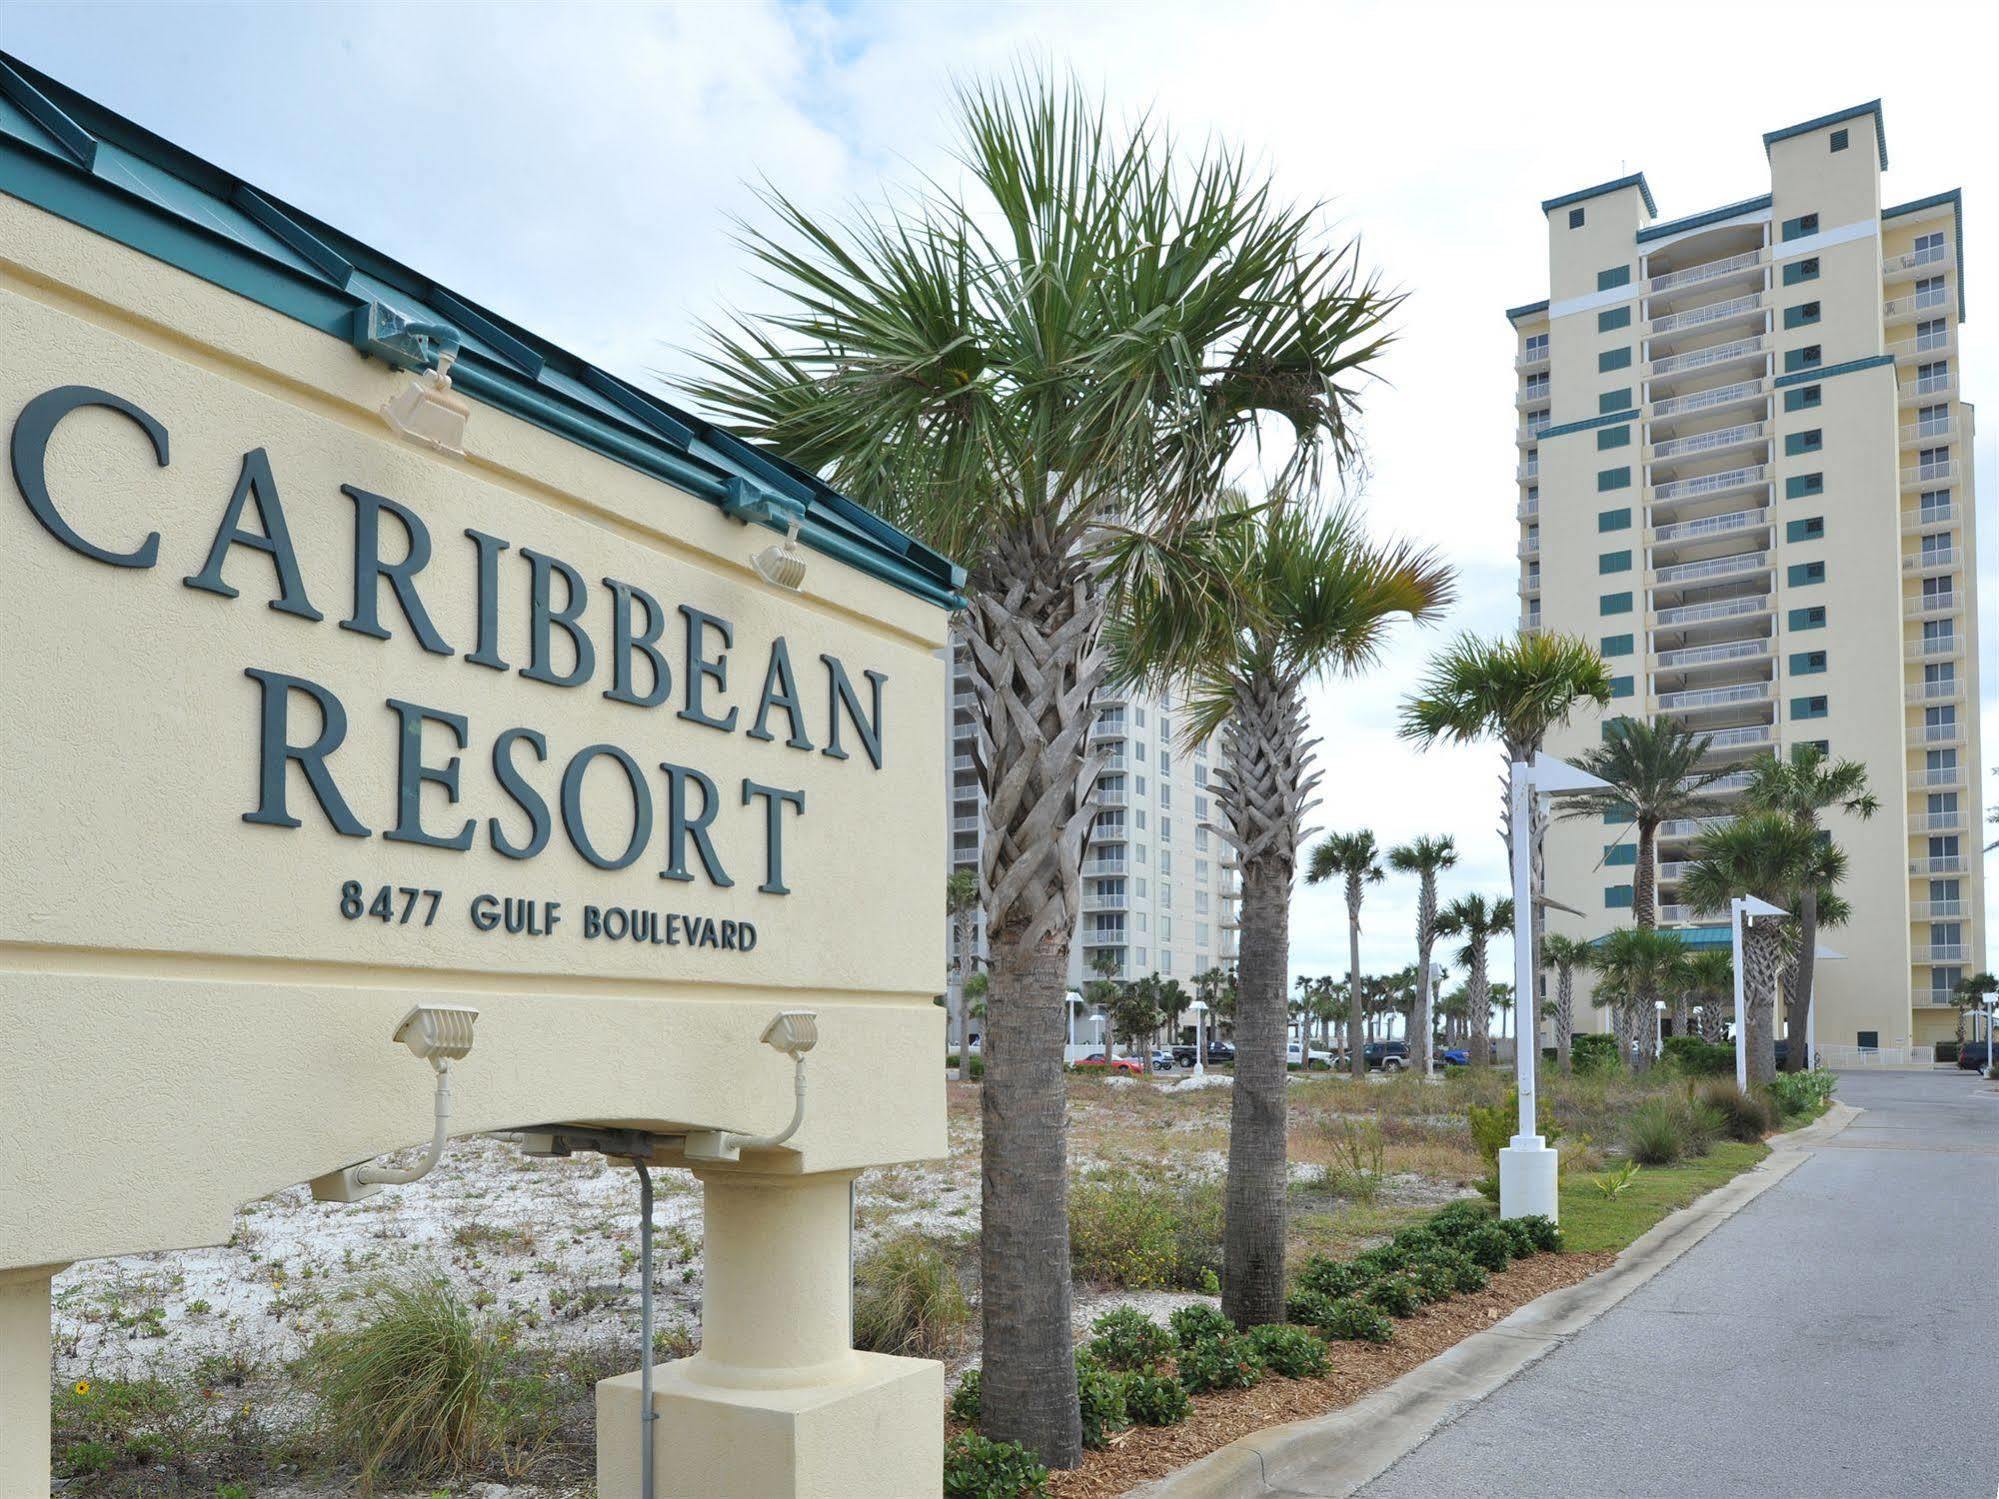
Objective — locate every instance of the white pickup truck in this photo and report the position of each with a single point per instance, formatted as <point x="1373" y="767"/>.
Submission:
<point x="1298" y="1055"/>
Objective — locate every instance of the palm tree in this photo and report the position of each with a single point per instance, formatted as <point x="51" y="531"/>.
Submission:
<point x="1970" y="995"/>
<point x="1515" y="690"/>
<point x="1803" y="788"/>
<point x="1045" y="368"/>
<point x="1477" y="921"/>
<point x="961" y="904"/>
<point x="1327" y="996"/>
<point x="1455" y="1010"/>
<point x="1635" y="963"/>
<point x="1355" y="859"/>
<point x="1656" y="774"/>
<point x="1565" y="955"/>
<point x="1426" y="858"/>
<point x="1270" y="602"/>
<point x="1768" y="855"/>
<point x="1710" y="983"/>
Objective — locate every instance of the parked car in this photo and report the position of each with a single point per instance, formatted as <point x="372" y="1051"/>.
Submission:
<point x="1454" y="1056"/>
<point x="1113" y="1064"/>
<point x="1218" y="1051"/>
<point x="1162" y="1061"/>
<point x="1297" y="1055"/>
<point x="1973" y="1056"/>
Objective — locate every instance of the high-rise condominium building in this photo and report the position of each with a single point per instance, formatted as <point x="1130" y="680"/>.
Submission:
<point x="1745" y="474"/>
<point x="1156" y="895"/>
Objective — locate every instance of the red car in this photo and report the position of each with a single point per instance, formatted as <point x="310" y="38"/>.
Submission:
<point x="1113" y="1064"/>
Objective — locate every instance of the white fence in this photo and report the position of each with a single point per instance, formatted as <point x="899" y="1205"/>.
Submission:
<point x="1877" y="1056"/>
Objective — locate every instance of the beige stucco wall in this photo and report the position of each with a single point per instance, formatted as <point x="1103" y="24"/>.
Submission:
<point x="187" y="1020"/>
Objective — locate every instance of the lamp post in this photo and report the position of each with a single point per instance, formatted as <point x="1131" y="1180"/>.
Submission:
<point x="1200" y="1039"/>
<point x="1658" y="1027"/>
<point x="1991" y="1043"/>
<point x="1529" y="1178"/>
<point x="1739" y="911"/>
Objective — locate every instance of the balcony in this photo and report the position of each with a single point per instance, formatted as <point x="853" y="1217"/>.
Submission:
<point x="965" y="824"/>
<point x="1709" y="526"/>
<point x="1708" y="400"/>
<point x="1105" y="864"/>
<point x="1672" y="871"/>
<point x="963" y="763"/>
<point x="1709" y="442"/>
<point x="1531" y="359"/>
<point x="1106" y="903"/>
<point x="1706" y="484"/>
<point x="1111" y="796"/>
<point x="1735" y="780"/>
<point x="1676" y="915"/>
<point x="1927" y="389"/>
<point x="1935" y="778"/>
<point x="1929" y="516"/>
<point x="1530" y="581"/>
<point x="1748" y="736"/>
<point x="1937" y="733"/>
<point x="1527" y="473"/>
<point x="1709" y="316"/>
<point x="1712" y="569"/>
<point x="1930" y="605"/>
<point x="1701" y="359"/>
<point x="1936" y="648"/>
<point x="1933" y="560"/>
<point x="1701" y="275"/>
<point x="1530" y="624"/>
<point x="1112" y="832"/>
<point x="1942" y="471"/>
<point x="1928" y="694"/>
<point x="964" y="702"/>
<point x="1694" y="614"/>
<point x="1530" y="434"/>
<point x="1915" y="260"/>
<point x="1915" y="305"/>
<point x="1924" y="347"/>
<point x="1692" y="657"/>
<point x="1531" y="395"/>
<point x="1680" y="828"/>
<point x="1108" y="728"/>
<point x="1939" y="910"/>
<point x="1936" y="822"/>
<point x="1942" y="999"/>
<point x="1527" y="509"/>
<point x="1918" y="433"/>
<point x="1938" y="864"/>
<point x="1697" y="699"/>
<point x="1942" y="952"/>
<point x="1531" y="547"/>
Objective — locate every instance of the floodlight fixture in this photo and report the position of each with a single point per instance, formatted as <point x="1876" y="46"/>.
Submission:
<point x="429" y="411"/>
<point x="793" y="1032"/>
<point x="439" y="1035"/>
<point x="782" y="565"/>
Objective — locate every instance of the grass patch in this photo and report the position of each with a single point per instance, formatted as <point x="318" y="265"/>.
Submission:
<point x="1593" y="1223"/>
<point x="1128" y="1230"/>
<point x="907" y="1299"/>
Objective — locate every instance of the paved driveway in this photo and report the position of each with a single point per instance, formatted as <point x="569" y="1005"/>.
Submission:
<point x="1838" y="1337"/>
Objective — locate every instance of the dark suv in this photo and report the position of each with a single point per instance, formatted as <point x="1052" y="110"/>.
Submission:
<point x="1384" y="1056"/>
<point x="1971" y="1057"/>
<point x="1218" y="1051"/>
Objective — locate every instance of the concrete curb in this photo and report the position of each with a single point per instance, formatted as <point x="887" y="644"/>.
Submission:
<point x="1332" y="1456"/>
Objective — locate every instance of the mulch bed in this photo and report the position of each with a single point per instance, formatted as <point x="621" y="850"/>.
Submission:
<point x="1144" y="1453"/>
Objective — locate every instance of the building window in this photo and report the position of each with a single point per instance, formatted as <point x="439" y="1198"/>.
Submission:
<point x="1932" y="333"/>
<point x="1617" y="275"/>
<point x="1613" y="478"/>
<point x="1811" y="528"/>
<point x="1614" y="400"/>
<point x="1807" y="663"/>
<point x="1808" y="619"/>
<point x="1932" y="421"/>
<point x="1801" y="226"/>
<point x="1839" y="140"/>
<point x="1806" y="358"/>
<point x="1799" y="316"/>
<point x="1934" y="378"/>
<point x="1623" y="686"/>
<point x="1613" y="562"/>
<point x="1804" y="574"/>
<point x="1801" y="270"/>
<point x="1802" y="399"/>
<point x="1614" y="520"/>
<point x="1613" y="603"/>
<point x="1803" y="442"/>
<point x="1617" y="854"/>
<point x="1800" y="486"/>
<point x="1808" y="707"/>
<point x="1614" y="318"/>
<point x="1929" y="247"/>
<point x="1617" y="897"/>
<point x="1613" y="437"/>
<point x="1930" y="292"/>
<point x="1575" y="218"/>
<point x="1537" y="346"/>
<point x="1617" y="645"/>
<point x="1536" y="387"/>
<point x="1613" y="359"/>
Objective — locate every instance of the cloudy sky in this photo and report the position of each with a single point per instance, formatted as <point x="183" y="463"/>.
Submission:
<point x="578" y="167"/>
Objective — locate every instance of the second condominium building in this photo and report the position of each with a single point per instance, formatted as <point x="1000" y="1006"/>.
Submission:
<point x="1745" y="474"/>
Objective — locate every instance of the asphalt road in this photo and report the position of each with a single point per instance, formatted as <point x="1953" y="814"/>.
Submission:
<point x="1837" y="1337"/>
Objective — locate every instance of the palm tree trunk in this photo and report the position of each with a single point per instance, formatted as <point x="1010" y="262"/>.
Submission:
<point x="1759" y="972"/>
<point x="1799" y="997"/>
<point x="1356" y="1000"/>
<point x="1565" y="1017"/>
<point x="1254" y="1223"/>
<point x="1645" y="916"/>
<point x="1478" y="1023"/>
<point x="1419" y="1021"/>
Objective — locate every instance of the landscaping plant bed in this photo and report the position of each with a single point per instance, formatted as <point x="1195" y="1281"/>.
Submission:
<point x="1140" y="1454"/>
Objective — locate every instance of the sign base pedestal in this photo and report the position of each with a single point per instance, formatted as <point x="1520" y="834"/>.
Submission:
<point x="1529" y="1179"/>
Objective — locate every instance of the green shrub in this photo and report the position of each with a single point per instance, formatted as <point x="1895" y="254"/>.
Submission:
<point x="907" y="1299"/>
<point x="975" y="1073"/>
<point x="1744" y="1116"/>
<point x="1128" y="1339"/>
<point x="1655" y="1132"/>
<point x="1156" y="1399"/>
<point x="1706" y="1125"/>
<point x="1347" y="1318"/>
<point x="1433" y="1277"/>
<point x="1125" y="1230"/>
<point x="1697" y="1058"/>
<point x="1100" y="1400"/>
<point x="1595" y="1056"/>
<point x="1398" y="1295"/>
<point x="965" y="1399"/>
<point x="1198" y="1320"/>
<point x="412" y="1389"/>
<point x="1799" y="1093"/>
<point x="975" y="1468"/>
<point x="1226" y="1362"/>
<point x="1489" y="1246"/>
<point x="1290" y="1351"/>
<point x="1384" y="1259"/>
<point x="1520" y="1238"/>
<point x="1416" y="1240"/>
<point x="1544" y="1232"/>
<point x="1330" y="1277"/>
<point x="80" y="1459"/>
<point x="1466" y="1273"/>
<point x="1454" y="1221"/>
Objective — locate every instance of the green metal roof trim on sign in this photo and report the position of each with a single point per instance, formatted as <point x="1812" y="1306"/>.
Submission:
<point x="1871" y="107"/>
<point x="1812" y="377"/>
<point x="69" y="156"/>
<point x="1954" y="200"/>
<point x="1636" y="179"/>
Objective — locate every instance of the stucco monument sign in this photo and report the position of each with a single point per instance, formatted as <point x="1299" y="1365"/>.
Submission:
<point x="539" y="727"/>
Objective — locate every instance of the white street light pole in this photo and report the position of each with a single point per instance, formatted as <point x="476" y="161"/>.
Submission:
<point x="1200" y="1041"/>
<point x="1529" y="1172"/>
<point x="1739" y="911"/>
